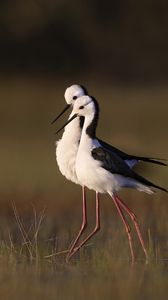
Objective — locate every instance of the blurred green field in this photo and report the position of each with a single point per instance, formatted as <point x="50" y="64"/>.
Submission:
<point x="133" y="118"/>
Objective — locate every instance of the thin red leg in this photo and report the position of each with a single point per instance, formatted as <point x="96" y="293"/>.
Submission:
<point x="97" y="227"/>
<point x="127" y="228"/>
<point x="83" y="226"/>
<point x="134" y="220"/>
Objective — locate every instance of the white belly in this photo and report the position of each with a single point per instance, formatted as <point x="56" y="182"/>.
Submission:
<point x="93" y="176"/>
<point x="66" y="156"/>
<point x="66" y="150"/>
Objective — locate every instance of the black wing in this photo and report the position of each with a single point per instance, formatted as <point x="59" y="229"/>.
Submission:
<point x="126" y="156"/>
<point x="116" y="165"/>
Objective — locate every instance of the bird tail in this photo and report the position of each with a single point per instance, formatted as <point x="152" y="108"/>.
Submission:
<point x="146" y="185"/>
<point x="149" y="189"/>
<point x="143" y="188"/>
<point x="157" y="161"/>
<point x="142" y="182"/>
<point x="159" y="187"/>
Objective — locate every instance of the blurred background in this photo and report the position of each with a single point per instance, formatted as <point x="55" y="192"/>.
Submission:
<point x="118" y="49"/>
<point x="116" y="40"/>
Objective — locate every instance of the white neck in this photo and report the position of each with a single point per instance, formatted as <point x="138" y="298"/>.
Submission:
<point x="72" y="131"/>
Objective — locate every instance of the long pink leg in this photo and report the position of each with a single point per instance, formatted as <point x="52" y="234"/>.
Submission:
<point x="97" y="227"/>
<point x="83" y="226"/>
<point x="127" y="228"/>
<point x="134" y="220"/>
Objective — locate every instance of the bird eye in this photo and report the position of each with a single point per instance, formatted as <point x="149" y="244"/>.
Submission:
<point x="75" y="97"/>
<point x="81" y="107"/>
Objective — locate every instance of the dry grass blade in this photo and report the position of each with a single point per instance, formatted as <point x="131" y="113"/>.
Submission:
<point x="64" y="251"/>
<point x="37" y="224"/>
<point x="26" y="240"/>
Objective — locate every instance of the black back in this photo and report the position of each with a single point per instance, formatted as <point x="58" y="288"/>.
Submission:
<point x="126" y="156"/>
<point x="116" y="165"/>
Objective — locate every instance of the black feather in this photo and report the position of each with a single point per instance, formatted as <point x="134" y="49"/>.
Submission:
<point x="126" y="156"/>
<point x="81" y="121"/>
<point x="91" y="129"/>
<point x="116" y="165"/>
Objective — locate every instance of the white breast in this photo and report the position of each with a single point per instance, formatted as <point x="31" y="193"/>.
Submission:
<point x="66" y="150"/>
<point x="89" y="171"/>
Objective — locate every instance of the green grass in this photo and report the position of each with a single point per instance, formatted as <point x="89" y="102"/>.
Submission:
<point x="34" y="240"/>
<point x="40" y="212"/>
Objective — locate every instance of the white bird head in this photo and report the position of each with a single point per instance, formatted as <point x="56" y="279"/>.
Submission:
<point x="83" y="106"/>
<point x="72" y="93"/>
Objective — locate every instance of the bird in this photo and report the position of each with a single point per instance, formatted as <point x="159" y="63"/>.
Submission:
<point x="67" y="146"/>
<point x="103" y="171"/>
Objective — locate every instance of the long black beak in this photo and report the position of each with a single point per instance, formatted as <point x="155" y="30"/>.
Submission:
<point x="73" y="117"/>
<point x="64" y="110"/>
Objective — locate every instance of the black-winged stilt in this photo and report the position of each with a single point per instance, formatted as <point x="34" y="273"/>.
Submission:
<point x="67" y="147"/>
<point x="103" y="170"/>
